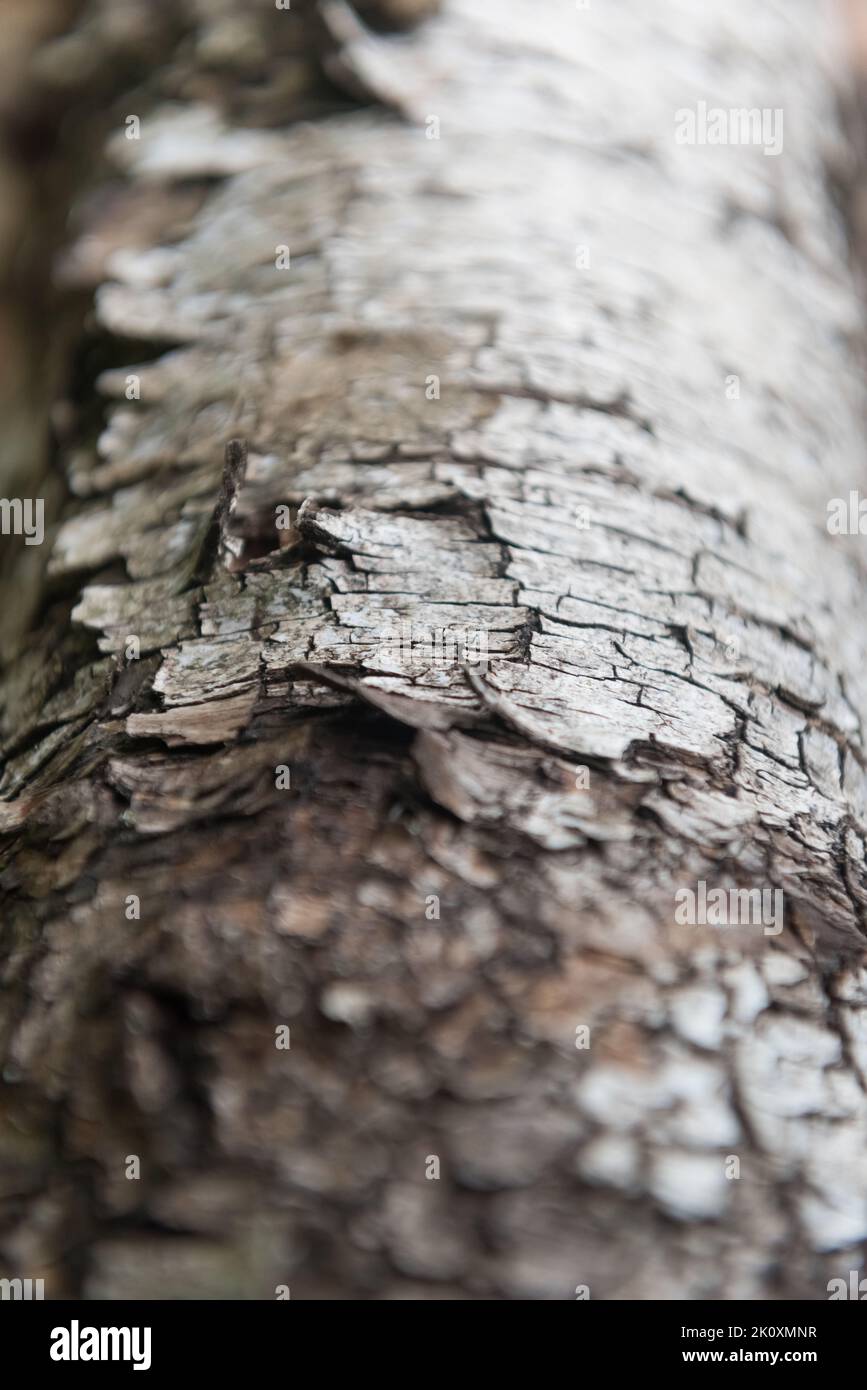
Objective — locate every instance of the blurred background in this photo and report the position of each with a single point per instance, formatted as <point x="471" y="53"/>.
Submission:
<point x="71" y="72"/>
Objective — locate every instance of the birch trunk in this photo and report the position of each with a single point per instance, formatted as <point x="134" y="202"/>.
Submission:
<point x="511" y="615"/>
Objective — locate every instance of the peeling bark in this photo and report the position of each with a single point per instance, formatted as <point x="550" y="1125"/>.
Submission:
<point x="473" y="861"/>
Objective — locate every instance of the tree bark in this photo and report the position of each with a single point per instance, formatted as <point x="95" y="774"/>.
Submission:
<point x="533" y="371"/>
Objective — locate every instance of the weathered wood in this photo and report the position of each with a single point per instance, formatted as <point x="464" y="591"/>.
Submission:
<point x="491" y="393"/>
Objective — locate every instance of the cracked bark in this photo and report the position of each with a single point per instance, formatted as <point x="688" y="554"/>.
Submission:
<point x="663" y="606"/>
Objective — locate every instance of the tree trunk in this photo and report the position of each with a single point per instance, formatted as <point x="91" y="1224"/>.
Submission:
<point x="345" y="861"/>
